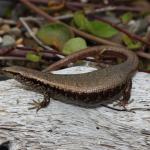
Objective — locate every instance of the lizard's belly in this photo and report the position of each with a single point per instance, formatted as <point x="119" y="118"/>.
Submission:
<point x="88" y="100"/>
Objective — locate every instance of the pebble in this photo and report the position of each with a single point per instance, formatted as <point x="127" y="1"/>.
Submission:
<point x="15" y="31"/>
<point x="8" y="41"/>
<point x="6" y="28"/>
<point x="1" y="40"/>
<point x="20" y="45"/>
<point x="138" y="26"/>
<point x="19" y="41"/>
<point x="35" y="30"/>
<point x="2" y="32"/>
<point x="84" y="1"/>
<point x="27" y="35"/>
<point x="1" y="21"/>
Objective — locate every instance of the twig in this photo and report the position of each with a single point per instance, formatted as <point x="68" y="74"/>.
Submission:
<point x="88" y="12"/>
<point x="40" y="1"/>
<point x="22" y="51"/>
<point x="125" y="8"/>
<point x="33" y="36"/>
<point x="36" y="20"/>
<point x="12" y="58"/>
<point x="81" y="33"/>
<point x="143" y="54"/>
<point x="99" y="8"/>
<point x="37" y="40"/>
<point x="45" y="53"/>
<point x="131" y="35"/>
<point x="136" y="37"/>
<point x="7" y="21"/>
<point x="112" y="8"/>
<point x="31" y="49"/>
<point x="5" y="51"/>
<point x="56" y="6"/>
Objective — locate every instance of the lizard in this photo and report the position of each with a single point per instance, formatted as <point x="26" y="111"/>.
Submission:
<point x="89" y="90"/>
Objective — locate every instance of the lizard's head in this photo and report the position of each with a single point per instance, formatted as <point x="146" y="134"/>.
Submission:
<point x="18" y="72"/>
<point x="24" y="75"/>
<point x="15" y="71"/>
<point x="21" y="74"/>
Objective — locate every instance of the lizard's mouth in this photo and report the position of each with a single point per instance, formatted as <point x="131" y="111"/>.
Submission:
<point x="9" y="74"/>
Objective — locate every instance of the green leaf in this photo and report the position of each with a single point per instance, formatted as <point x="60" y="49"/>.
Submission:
<point x="55" y="34"/>
<point x="126" y="17"/>
<point x="102" y="29"/>
<point x="81" y="21"/>
<point x="97" y="28"/>
<point x="131" y="44"/>
<point x="33" y="57"/>
<point x="73" y="45"/>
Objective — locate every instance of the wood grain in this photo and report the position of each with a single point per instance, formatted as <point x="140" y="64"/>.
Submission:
<point x="66" y="127"/>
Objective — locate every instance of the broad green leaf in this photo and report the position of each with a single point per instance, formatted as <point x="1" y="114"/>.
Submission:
<point x="126" y="17"/>
<point x="81" y="21"/>
<point x="102" y="29"/>
<point x="97" y="28"/>
<point x="131" y="44"/>
<point x="55" y="34"/>
<point x="33" y="57"/>
<point x="73" y="45"/>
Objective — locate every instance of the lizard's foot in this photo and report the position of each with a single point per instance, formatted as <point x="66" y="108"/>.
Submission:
<point x="121" y="103"/>
<point x="124" y="99"/>
<point x="39" y="104"/>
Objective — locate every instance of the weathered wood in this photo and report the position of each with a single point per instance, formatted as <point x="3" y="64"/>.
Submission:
<point x="66" y="127"/>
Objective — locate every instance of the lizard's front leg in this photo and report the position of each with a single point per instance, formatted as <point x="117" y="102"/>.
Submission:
<point x="41" y="104"/>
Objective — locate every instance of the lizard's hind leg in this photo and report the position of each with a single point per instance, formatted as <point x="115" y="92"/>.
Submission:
<point x="126" y="95"/>
<point x="124" y="99"/>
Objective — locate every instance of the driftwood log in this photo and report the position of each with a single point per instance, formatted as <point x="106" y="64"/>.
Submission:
<point x="65" y="127"/>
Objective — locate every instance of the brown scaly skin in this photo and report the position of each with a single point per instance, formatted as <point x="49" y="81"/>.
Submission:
<point x="87" y="90"/>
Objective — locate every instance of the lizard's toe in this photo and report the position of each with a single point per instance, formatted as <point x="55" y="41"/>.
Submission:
<point x="39" y="104"/>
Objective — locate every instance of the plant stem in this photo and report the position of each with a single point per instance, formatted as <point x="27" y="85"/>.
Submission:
<point x="131" y="35"/>
<point x="78" y="32"/>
